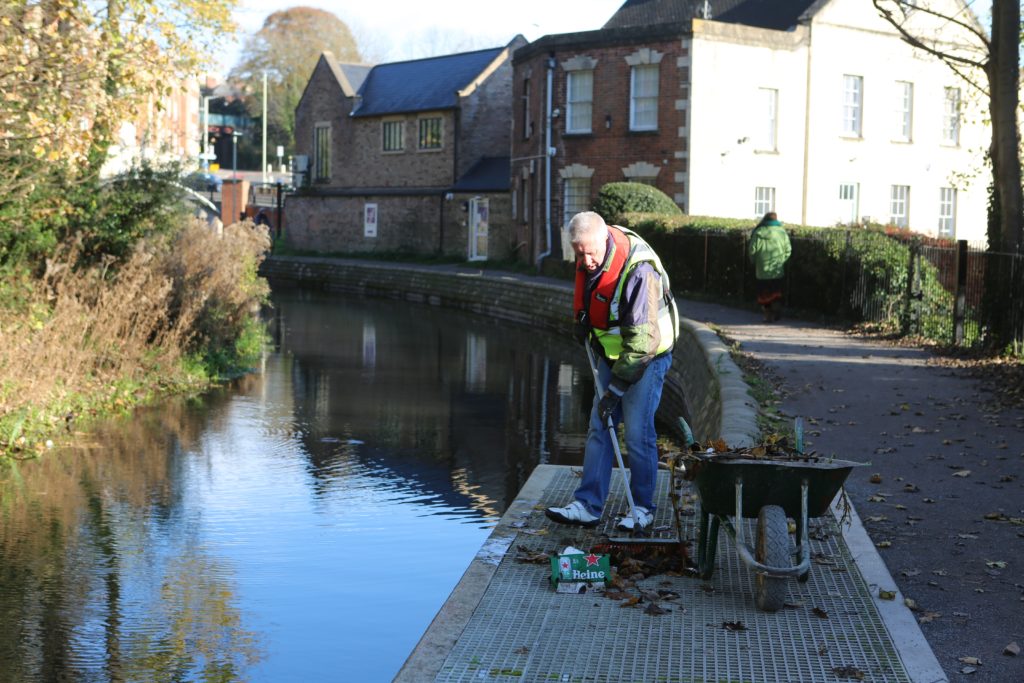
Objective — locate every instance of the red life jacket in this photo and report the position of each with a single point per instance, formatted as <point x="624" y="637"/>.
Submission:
<point x="598" y="305"/>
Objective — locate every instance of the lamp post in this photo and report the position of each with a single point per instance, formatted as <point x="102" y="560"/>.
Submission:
<point x="206" y="132"/>
<point x="263" y="166"/>
<point x="234" y="153"/>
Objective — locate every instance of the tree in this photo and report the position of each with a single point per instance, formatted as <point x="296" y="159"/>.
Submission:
<point x="970" y="53"/>
<point x="70" y="72"/>
<point x="287" y="48"/>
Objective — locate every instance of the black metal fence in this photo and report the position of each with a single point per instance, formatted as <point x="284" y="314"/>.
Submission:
<point x="906" y="285"/>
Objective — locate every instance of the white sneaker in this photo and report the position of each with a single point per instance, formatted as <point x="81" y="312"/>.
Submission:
<point x="643" y="515"/>
<point x="573" y="513"/>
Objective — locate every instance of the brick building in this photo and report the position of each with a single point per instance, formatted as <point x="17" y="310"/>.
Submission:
<point x="406" y="157"/>
<point x="720" y="105"/>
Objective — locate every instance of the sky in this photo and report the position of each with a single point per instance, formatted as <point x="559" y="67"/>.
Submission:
<point x="391" y="29"/>
<point x="394" y="30"/>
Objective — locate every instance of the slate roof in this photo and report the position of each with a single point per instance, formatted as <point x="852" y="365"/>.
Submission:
<point x="780" y="15"/>
<point x="355" y="73"/>
<point x="421" y="84"/>
<point x="490" y="174"/>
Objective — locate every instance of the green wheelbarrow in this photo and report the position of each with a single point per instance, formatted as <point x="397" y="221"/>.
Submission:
<point x="770" y="490"/>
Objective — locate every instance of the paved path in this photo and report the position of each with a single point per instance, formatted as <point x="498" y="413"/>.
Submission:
<point x="943" y="499"/>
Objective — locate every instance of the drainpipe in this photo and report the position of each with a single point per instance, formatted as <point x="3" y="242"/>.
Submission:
<point x="548" y="153"/>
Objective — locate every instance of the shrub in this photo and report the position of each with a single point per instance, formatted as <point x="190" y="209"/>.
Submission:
<point x="616" y="199"/>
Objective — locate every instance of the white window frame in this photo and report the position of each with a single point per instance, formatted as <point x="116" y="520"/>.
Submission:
<point x="951" y="116"/>
<point x="899" y="206"/>
<point x="768" y="126"/>
<point x="853" y="106"/>
<point x="849" y="198"/>
<point x="947" y="212"/>
<point x="579" y="101"/>
<point x="575" y="197"/>
<point x="392" y="125"/>
<point x="764" y="200"/>
<point x="321" y="152"/>
<point x="904" y="111"/>
<point x="643" y="96"/>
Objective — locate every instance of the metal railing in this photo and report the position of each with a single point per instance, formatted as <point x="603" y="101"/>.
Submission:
<point x="955" y="295"/>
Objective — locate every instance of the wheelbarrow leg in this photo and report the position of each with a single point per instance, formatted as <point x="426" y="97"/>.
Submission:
<point x="707" y="545"/>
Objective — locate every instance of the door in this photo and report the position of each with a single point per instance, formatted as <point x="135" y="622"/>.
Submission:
<point x="479" y="210"/>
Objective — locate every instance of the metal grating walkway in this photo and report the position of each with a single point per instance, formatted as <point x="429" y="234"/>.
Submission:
<point x="523" y="631"/>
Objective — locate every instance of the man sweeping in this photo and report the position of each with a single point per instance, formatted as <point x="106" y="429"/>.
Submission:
<point x="624" y="308"/>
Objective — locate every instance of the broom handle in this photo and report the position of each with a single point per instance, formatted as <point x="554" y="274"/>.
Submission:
<point x="614" y="438"/>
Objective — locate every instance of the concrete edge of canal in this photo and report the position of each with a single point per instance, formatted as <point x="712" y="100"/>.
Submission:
<point x="704" y="383"/>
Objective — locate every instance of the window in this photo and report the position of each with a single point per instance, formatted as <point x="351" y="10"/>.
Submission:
<point x="527" y="122"/>
<point x="430" y="133"/>
<point x="643" y="102"/>
<point x="394" y="136"/>
<point x="947" y="212"/>
<point x="579" y="101"/>
<point x="848" y="199"/>
<point x="768" y="119"/>
<point x="904" y="111"/>
<point x="951" y="117"/>
<point x="899" y="206"/>
<point x="764" y="200"/>
<point x="577" y="197"/>
<point x="321" y="152"/>
<point x="853" y="102"/>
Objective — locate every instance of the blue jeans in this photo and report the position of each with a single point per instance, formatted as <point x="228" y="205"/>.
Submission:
<point x="636" y="412"/>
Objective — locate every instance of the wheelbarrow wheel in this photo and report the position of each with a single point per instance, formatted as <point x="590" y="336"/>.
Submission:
<point x="772" y="550"/>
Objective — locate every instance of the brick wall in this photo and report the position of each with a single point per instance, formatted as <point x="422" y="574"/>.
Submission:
<point x="365" y="164"/>
<point x="323" y="101"/>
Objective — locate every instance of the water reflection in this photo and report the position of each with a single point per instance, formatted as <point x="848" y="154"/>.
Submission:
<point x="303" y="524"/>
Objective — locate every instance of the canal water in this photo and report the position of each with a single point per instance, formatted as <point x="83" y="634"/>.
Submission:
<point x="305" y="523"/>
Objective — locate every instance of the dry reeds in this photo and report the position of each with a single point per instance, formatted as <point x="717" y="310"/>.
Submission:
<point x="101" y="336"/>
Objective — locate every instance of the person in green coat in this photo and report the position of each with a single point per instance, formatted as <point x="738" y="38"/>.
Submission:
<point x="769" y="250"/>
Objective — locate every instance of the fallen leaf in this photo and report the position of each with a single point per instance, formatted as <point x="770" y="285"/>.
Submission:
<point x="820" y="613"/>
<point x="1012" y="650"/>
<point x="876" y="518"/>
<point x="962" y="473"/>
<point x="966" y="536"/>
<point x="928" y="617"/>
<point x="968" y="670"/>
<point x="653" y="609"/>
<point x="534" y="532"/>
<point x="617" y="595"/>
<point x="876" y="478"/>
<point x="885" y="544"/>
<point x="734" y="626"/>
<point x="849" y="672"/>
<point x="521" y="650"/>
<point x="910" y="572"/>
<point x="911" y="488"/>
<point x="910" y="603"/>
<point x="876" y="499"/>
<point x="887" y="595"/>
<point x="970" y="661"/>
<point x="527" y="556"/>
<point x="995" y="564"/>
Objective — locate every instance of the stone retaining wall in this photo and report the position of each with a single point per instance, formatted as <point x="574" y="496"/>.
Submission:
<point x="704" y="384"/>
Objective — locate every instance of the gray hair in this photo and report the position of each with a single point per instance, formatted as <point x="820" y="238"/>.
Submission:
<point x="586" y="224"/>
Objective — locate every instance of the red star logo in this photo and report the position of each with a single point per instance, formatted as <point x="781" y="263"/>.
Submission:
<point x="565" y="564"/>
<point x="591" y="559"/>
